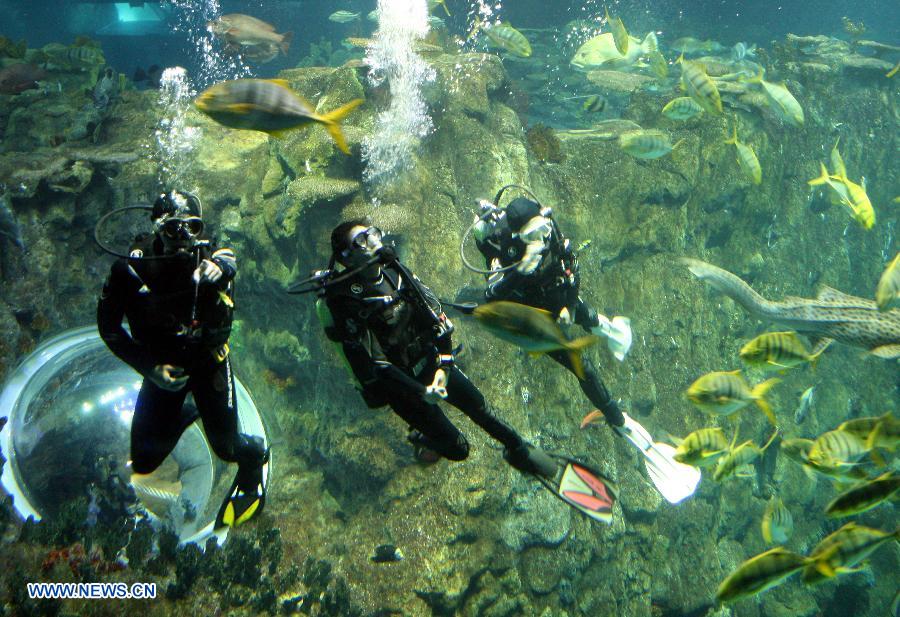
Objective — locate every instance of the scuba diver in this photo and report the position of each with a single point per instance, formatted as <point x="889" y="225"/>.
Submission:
<point x="396" y="339"/>
<point x="176" y="290"/>
<point x="529" y="261"/>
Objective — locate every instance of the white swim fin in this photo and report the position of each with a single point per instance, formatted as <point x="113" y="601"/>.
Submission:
<point x="617" y="332"/>
<point x="675" y="481"/>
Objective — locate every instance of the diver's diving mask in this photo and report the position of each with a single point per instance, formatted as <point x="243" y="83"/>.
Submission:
<point x="537" y="229"/>
<point x="368" y="240"/>
<point x="177" y="227"/>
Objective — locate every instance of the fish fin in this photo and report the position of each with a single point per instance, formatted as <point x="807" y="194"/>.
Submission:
<point x="278" y="134"/>
<point x="679" y="142"/>
<point x="870" y="445"/>
<point x="446" y="10"/>
<point x="577" y="364"/>
<point x="771" y="439"/>
<point x="286" y="40"/>
<point x="759" y="393"/>
<point x="535" y="354"/>
<point x="734" y="137"/>
<point x="680" y="59"/>
<point x="589" y="419"/>
<point x="280" y="82"/>
<point x="888" y="352"/>
<point x="332" y="119"/>
<point x="823" y="177"/>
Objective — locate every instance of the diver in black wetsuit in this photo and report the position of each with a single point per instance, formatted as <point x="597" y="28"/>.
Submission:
<point x="532" y="263"/>
<point x="397" y="340"/>
<point x="176" y="291"/>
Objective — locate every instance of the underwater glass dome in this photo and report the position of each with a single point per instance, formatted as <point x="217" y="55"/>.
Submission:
<point x="70" y="405"/>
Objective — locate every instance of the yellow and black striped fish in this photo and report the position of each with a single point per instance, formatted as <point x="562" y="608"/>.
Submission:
<point x="682" y="108"/>
<point x="646" y="144"/>
<point x="594" y="103"/>
<point x="837" y="448"/>
<point x="760" y="573"/>
<point x="777" y="350"/>
<point x="725" y="393"/>
<point x="864" y="496"/>
<point x="777" y="522"/>
<point x="740" y="456"/>
<point x="699" y="86"/>
<point x="746" y="159"/>
<point x="702" y="447"/>
<point x="846" y="547"/>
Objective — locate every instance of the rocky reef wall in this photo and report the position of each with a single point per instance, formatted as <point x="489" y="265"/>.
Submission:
<point x="477" y="538"/>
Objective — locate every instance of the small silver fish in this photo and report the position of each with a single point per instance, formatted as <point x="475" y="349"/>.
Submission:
<point x="806" y="401"/>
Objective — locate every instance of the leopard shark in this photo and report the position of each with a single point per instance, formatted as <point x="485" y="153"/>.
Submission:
<point x="830" y="316"/>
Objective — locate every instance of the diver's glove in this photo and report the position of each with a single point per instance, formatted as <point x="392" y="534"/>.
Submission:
<point x="534" y="252"/>
<point x="617" y="333"/>
<point x="207" y="272"/>
<point x="168" y="377"/>
<point x="437" y="391"/>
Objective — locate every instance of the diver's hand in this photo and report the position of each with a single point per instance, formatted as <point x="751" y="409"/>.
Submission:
<point x="532" y="258"/>
<point x="207" y="272"/>
<point x="437" y="391"/>
<point x="168" y="377"/>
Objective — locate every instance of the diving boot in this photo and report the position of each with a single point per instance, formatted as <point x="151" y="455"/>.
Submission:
<point x="421" y="450"/>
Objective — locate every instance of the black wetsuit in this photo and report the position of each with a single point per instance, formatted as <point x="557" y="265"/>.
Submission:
<point x="174" y="321"/>
<point x="395" y="335"/>
<point x="552" y="286"/>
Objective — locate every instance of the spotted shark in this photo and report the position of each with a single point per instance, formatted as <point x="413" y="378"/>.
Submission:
<point x="830" y="316"/>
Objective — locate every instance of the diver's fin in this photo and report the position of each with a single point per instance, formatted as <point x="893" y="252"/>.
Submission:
<point x="583" y="488"/>
<point x="675" y="481"/>
<point x="241" y="504"/>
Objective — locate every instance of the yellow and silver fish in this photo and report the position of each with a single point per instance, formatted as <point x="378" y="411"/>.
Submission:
<point x="777" y="523"/>
<point x="777" y="351"/>
<point x="503" y="36"/>
<point x="646" y="144"/>
<point x="841" y="551"/>
<point x="887" y="294"/>
<point x="876" y="432"/>
<point x="699" y="86"/>
<point x="760" y="573"/>
<point x="837" y="448"/>
<point x="739" y="457"/>
<point x="702" y="447"/>
<point x="343" y="17"/>
<point x="726" y="392"/>
<point x="270" y="106"/>
<point x="658" y="64"/>
<point x="746" y="159"/>
<point x="780" y="100"/>
<point x="682" y="108"/>
<point x="601" y="52"/>
<point x="532" y="329"/>
<point x="864" y="496"/>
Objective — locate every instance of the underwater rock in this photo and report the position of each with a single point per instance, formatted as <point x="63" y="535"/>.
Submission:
<point x="619" y="81"/>
<point x="535" y="521"/>
<point x="465" y="83"/>
<point x="311" y="191"/>
<point x="540" y="569"/>
<point x="73" y="179"/>
<point x="544" y="144"/>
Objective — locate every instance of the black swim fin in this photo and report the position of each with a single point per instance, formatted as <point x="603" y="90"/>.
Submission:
<point x="577" y="484"/>
<point x="246" y="497"/>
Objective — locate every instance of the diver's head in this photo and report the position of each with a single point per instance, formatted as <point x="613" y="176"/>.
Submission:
<point x="177" y="220"/>
<point x="528" y="220"/>
<point x="354" y="243"/>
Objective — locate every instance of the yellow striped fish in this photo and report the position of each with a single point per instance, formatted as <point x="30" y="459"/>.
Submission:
<point x="777" y="350"/>
<point x="837" y="448"/>
<point x="270" y="106"/>
<point x="887" y="294"/>
<point x="746" y="159"/>
<point x="646" y="144"/>
<point x="682" y="108"/>
<point x="505" y="37"/>
<point x="620" y="34"/>
<point x="878" y="432"/>
<point x="864" y="497"/>
<point x="760" y="573"/>
<point x="699" y="86"/>
<point x="777" y="522"/>
<point x="858" y="201"/>
<point x="702" y="447"/>
<point x="780" y="100"/>
<point x="744" y="454"/>
<point x="798" y="451"/>
<point x="837" y="161"/>
<point x="725" y="393"/>
<point x="846" y="547"/>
